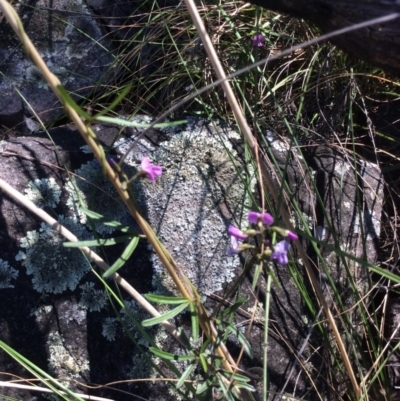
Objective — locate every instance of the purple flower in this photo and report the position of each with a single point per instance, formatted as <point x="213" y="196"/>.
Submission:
<point x="280" y="252"/>
<point x="265" y="218"/>
<point x="151" y="171"/>
<point x="235" y="232"/>
<point x="291" y="236"/>
<point x="258" y="40"/>
<point x="234" y="249"/>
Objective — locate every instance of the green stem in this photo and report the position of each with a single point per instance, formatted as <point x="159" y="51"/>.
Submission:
<point x="267" y="298"/>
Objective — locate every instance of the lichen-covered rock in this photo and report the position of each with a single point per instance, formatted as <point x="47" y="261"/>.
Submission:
<point x="7" y="274"/>
<point x="202" y="190"/>
<point x="72" y="44"/>
<point x="53" y="267"/>
<point x="340" y="201"/>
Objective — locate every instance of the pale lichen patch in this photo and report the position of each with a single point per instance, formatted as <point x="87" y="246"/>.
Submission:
<point x="53" y="267"/>
<point x="61" y="362"/>
<point x="44" y="192"/>
<point x="202" y="188"/>
<point x="7" y="274"/>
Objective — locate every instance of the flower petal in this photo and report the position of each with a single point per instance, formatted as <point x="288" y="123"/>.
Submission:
<point x="235" y="232"/>
<point x="253" y="217"/>
<point x="151" y="171"/>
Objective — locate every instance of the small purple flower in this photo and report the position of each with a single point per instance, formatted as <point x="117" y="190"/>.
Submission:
<point x="258" y="40"/>
<point x="235" y="232"/>
<point x="265" y="218"/>
<point x="234" y="249"/>
<point x="151" y="171"/>
<point x="280" y="253"/>
<point x="291" y="236"/>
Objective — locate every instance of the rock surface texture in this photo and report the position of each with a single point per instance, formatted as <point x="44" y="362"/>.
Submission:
<point x="377" y="44"/>
<point x="72" y="43"/>
<point x="190" y="207"/>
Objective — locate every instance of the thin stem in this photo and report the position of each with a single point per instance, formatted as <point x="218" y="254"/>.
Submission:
<point x="265" y="362"/>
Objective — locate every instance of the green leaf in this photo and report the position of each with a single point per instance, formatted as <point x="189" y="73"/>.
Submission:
<point x="236" y="387"/>
<point x="207" y="384"/>
<point x="385" y="273"/>
<point x="185" y="375"/>
<point x="123" y="258"/>
<point x="114" y="224"/>
<point x="115" y="103"/>
<point x="233" y="308"/>
<point x="242" y="339"/>
<point x="45" y="378"/>
<point x="235" y="376"/>
<point x="68" y="100"/>
<point x="98" y="242"/>
<point x="171" y="357"/>
<point x="203" y="362"/>
<point x="195" y="321"/>
<point x="256" y="275"/>
<point x="222" y="385"/>
<point x="166" y="316"/>
<point x="126" y="123"/>
<point x="101" y="219"/>
<point x="164" y="299"/>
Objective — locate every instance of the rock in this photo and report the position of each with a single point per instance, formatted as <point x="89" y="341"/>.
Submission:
<point x="342" y="192"/>
<point x="375" y="44"/>
<point x="71" y="43"/>
<point x="190" y="206"/>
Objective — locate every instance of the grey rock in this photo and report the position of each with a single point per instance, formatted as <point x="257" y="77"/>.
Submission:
<point x="198" y="196"/>
<point x="72" y="44"/>
<point x="344" y="186"/>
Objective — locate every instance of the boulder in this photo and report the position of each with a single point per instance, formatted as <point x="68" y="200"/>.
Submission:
<point x="198" y="196"/>
<point x="377" y="44"/>
<point x="71" y="42"/>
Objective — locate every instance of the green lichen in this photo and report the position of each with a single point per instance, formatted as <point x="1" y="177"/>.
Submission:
<point x="61" y="362"/>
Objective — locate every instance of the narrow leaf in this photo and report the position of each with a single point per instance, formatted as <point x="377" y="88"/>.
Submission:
<point x="385" y="273"/>
<point x="242" y="339"/>
<point x="256" y="276"/>
<point x="164" y="299"/>
<point x="126" y="123"/>
<point x="233" y="308"/>
<point x="101" y="219"/>
<point x="195" y="321"/>
<point x="207" y="384"/>
<point x="68" y="100"/>
<point x="115" y="103"/>
<point x="124" y="257"/>
<point x="185" y="375"/>
<point x="170" y="357"/>
<point x="169" y="315"/>
<point x="97" y="242"/>
<point x="203" y="362"/>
